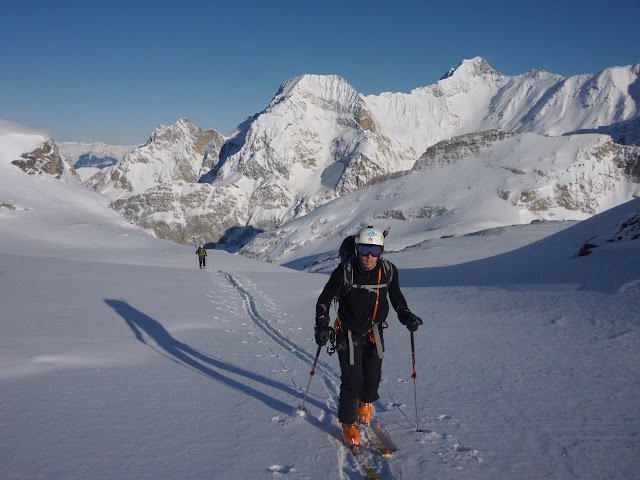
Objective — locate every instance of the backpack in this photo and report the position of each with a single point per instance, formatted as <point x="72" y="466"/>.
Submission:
<point x="348" y="249"/>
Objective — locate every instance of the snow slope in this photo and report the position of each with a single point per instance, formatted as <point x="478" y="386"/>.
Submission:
<point x="121" y="359"/>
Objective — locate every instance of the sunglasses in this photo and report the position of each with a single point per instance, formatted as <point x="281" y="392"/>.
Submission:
<point x="375" y="250"/>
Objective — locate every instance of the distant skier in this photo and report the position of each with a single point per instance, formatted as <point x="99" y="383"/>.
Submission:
<point x="202" y="256"/>
<point x="360" y="284"/>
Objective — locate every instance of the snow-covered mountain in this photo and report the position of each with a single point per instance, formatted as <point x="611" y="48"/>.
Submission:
<point x="173" y="155"/>
<point x="157" y="185"/>
<point x="319" y="139"/>
<point x="474" y="97"/>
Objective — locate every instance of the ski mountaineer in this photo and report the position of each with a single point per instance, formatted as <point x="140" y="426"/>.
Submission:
<point x="360" y="285"/>
<point x="202" y="256"/>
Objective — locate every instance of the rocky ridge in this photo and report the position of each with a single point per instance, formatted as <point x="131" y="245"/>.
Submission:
<point x="45" y="159"/>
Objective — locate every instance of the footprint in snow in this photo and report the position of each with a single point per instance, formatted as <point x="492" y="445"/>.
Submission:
<point x="282" y="469"/>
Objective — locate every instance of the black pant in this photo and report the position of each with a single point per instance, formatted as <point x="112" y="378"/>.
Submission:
<point x="359" y="381"/>
<point x="203" y="261"/>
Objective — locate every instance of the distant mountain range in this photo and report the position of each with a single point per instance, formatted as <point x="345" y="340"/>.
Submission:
<point x="88" y="158"/>
<point x="530" y="147"/>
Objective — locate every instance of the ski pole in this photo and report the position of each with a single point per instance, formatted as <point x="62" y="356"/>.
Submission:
<point x="302" y="408"/>
<point x="414" y="376"/>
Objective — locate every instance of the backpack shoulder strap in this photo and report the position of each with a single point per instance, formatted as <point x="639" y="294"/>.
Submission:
<point x="387" y="269"/>
<point x="347" y="278"/>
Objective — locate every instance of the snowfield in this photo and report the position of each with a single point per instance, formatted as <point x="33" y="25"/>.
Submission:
<point x="121" y="359"/>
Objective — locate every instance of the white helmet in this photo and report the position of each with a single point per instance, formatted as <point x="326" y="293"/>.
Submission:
<point x="370" y="236"/>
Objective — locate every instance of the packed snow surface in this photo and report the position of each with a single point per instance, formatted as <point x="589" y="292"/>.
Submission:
<point x="122" y="359"/>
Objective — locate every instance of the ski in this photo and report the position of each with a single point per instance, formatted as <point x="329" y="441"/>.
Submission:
<point x="377" y="445"/>
<point x="363" y="463"/>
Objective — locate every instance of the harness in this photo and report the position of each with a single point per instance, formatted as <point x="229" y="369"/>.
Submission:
<point x="374" y="331"/>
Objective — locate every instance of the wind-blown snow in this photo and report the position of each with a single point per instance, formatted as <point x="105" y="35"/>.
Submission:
<point x="121" y="359"/>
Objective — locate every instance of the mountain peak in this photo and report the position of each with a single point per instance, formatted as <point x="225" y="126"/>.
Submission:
<point x="172" y="132"/>
<point x="474" y="67"/>
<point x="326" y="87"/>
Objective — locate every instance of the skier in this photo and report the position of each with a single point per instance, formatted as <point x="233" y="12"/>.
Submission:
<point x="360" y="284"/>
<point x="202" y="256"/>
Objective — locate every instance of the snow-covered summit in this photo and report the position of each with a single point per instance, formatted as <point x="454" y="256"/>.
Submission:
<point x="327" y="88"/>
<point x="173" y="154"/>
<point x="475" y="97"/>
<point x="470" y="68"/>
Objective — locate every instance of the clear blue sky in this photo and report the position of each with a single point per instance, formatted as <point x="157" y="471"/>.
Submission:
<point x="112" y="71"/>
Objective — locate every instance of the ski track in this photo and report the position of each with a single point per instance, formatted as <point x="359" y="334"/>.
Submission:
<point x="247" y="293"/>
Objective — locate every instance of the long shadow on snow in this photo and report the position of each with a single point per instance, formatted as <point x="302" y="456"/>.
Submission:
<point x="183" y="354"/>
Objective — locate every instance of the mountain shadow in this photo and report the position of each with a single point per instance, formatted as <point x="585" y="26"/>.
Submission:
<point x="234" y="238"/>
<point x="232" y="146"/>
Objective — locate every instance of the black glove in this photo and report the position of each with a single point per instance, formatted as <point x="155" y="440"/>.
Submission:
<point x="409" y="320"/>
<point x="322" y="335"/>
<point x="322" y="330"/>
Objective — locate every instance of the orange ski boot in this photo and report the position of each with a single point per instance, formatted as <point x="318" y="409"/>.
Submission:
<point x="351" y="434"/>
<point x="364" y="412"/>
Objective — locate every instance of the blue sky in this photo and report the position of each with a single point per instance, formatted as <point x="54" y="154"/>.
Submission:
<point x="112" y="71"/>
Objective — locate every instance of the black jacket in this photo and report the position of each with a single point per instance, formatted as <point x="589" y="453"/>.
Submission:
<point x="356" y="307"/>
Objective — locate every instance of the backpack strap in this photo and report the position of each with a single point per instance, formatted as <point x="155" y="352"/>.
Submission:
<point x="388" y="270"/>
<point x="347" y="279"/>
<point x="388" y="275"/>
